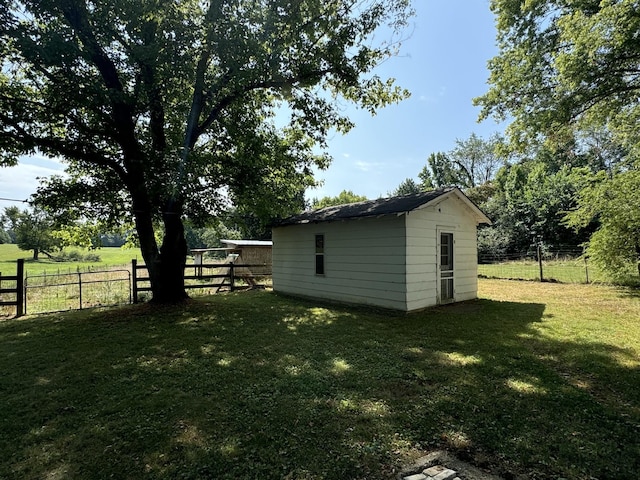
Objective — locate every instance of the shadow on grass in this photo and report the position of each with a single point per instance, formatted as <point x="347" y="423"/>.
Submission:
<point x="254" y="385"/>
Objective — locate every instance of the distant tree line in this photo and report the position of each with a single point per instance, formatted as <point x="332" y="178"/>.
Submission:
<point x="558" y="196"/>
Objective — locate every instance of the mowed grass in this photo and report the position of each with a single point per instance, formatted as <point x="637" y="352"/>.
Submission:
<point x="109" y="256"/>
<point x="532" y="379"/>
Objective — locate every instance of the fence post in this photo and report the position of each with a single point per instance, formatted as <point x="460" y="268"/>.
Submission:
<point x="231" y="276"/>
<point x="20" y="296"/>
<point x="586" y="269"/>
<point x="539" y="251"/>
<point x="134" y="283"/>
<point x="80" y="287"/>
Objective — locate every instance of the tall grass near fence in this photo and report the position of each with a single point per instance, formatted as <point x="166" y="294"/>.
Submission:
<point x="576" y="270"/>
<point x="75" y="291"/>
<point x="556" y="266"/>
<point x="74" y="279"/>
<point x="53" y="286"/>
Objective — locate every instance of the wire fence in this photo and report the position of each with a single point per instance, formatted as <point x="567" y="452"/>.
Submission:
<point x="71" y="290"/>
<point x="78" y="290"/>
<point x="566" y="266"/>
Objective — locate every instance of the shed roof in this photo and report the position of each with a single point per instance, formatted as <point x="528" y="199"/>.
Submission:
<point x="384" y="206"/>
<point x="248" y="243"/>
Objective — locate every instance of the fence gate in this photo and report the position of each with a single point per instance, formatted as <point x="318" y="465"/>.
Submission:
<point x="72" y="291"/>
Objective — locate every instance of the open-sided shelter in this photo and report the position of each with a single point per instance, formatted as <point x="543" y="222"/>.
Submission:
<point x="405" y="253"/>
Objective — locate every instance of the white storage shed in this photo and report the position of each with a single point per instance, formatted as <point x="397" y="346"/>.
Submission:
<point x="404" y="253"/>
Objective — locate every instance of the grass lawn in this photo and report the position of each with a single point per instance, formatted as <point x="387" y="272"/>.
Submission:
<point x="109" y="256"/>
<point x="535" y="379"/>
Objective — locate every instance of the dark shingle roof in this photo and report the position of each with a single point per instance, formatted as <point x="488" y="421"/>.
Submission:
<point x="369" y="208"/>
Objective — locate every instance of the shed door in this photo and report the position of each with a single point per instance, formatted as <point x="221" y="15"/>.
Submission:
<point x="445" y="267"/>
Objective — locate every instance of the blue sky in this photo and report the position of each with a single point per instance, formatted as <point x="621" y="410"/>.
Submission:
<point x="443" y="63"/>
<point x="444" y="66"/>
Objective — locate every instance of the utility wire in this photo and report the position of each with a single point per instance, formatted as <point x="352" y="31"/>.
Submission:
<point x="13" y="200"/>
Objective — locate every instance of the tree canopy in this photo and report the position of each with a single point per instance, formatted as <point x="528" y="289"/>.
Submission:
<point x="174" y="108"/>
<point x="471" y="163"/>
<point x="567" y="76"/>
<point x="344" y="197"/>
<point x="31" y="230"/>
<point x="406" y="187"/>
<point x="565" y="65"/>
<point x="614" y="202"/>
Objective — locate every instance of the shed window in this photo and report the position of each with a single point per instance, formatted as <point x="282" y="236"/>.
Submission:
<point x="446" y="251"/>
<point x="319" y="254"/>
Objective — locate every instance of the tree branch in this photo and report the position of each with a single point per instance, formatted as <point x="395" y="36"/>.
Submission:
<point x="265" y="84"/>
<point x="76" y="14"/>
<point x="80" y="152"/>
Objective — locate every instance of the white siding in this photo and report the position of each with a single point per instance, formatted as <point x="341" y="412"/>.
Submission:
<point x="364" y="261"/>
<point x="388" y="261"/>
<point x="451" y="215"/>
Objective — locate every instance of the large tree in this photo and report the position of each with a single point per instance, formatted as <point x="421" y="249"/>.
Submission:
<point x="569" y="67"/>
<point x="167" y="108"/>
<point x="31" y="230"/>
<point x="471" y="163"/>
<point x="565" y="65"/>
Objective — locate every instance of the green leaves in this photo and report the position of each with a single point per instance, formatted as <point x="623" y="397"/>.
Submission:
<point x="344" y="197"/>
<point x="613" y="202"/>
<point x="165" y="109"/>
<point x="569" y="71"/>
<point x="562" y="64"/>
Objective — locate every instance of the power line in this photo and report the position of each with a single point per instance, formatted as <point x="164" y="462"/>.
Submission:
<point x="13" y="200"/>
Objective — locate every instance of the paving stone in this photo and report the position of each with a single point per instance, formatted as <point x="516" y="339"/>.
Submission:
<point x="446" y="474"/>
<point x="438" y="472"/>
<point x="417" y="476"/>
<point x="433" y="471"/>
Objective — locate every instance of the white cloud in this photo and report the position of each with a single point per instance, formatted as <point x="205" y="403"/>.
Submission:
<point x="434" y="97"/>
<point x="21" y="181"/>
<point x="368" y="166"/>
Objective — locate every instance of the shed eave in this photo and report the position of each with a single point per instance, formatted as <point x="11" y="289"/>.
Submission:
<point x="478" y="214"/>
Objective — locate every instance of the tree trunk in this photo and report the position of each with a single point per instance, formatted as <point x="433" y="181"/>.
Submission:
<point x="165" y="266"/>
<point x="172" y="259"/>
<point x="35" y="253"/>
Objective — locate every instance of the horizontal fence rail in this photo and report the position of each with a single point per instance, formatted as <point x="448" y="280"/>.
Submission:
<point x="208" y="276"/>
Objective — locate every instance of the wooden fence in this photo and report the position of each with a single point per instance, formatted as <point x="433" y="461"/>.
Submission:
<point x="16" y="290"/>
<point x="214" y="276"/>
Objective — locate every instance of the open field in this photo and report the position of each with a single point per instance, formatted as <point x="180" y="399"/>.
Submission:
<point x="109" y="256"/>
<point x="532" y="379"/>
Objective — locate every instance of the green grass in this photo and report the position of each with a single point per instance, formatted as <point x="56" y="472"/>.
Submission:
<point x="565" y="271"/>
<point x="532" y="379"/>
<point x="109" y="256"/>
